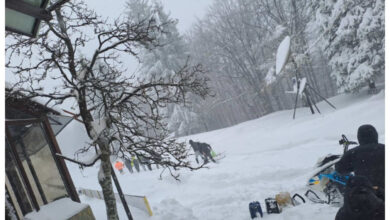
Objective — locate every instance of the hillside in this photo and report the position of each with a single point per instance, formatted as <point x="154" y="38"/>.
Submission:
<point x="262" y="158"/>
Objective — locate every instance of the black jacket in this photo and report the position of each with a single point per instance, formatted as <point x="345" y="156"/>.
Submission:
<point x="202" y="148"/>
<point x="365" y="160"/>
<point x="194" y="145"/>
<point x="361" y="201"/>
<point x="368" y="159"/>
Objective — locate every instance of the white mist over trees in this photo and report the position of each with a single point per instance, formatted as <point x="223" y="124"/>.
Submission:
<point x="337" y="44"/>
<point x="165" y="61"/>
<point x="237" y="42"/>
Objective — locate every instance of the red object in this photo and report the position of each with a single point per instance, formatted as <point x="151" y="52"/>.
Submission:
<point x="119" y="165"/>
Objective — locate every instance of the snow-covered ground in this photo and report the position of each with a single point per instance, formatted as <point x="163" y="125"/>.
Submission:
<point x="262" y="158"/>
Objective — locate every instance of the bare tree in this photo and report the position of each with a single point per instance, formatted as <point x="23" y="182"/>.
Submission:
<point x="237" y="41"/>
<point x="121" y="113"/>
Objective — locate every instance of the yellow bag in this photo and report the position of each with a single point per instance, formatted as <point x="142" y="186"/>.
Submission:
<point x="283" y="199"/>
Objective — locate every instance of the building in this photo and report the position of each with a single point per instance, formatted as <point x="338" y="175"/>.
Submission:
<point x="35" y="177"/>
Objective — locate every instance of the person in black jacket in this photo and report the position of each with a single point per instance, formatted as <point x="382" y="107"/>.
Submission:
<point x="368" y="159"/>
<point x="195" y="147"/>
<point x="362" y="201"/>
<point x="205" y="150"/>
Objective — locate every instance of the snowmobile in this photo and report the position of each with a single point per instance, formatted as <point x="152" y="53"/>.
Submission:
<point x="326" y="185"/>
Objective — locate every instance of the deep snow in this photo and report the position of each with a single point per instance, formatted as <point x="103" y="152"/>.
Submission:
<point x="56" y="210"/>
<point x="262" y="158"/>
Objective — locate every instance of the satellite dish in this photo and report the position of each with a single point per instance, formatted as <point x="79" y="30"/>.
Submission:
<point x="282" y="54"/>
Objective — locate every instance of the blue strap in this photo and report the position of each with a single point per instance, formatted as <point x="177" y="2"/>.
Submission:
<point x="335" y="177"/>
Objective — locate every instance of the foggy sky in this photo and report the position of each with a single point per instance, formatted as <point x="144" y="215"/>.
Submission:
<point x="185" y="10"/>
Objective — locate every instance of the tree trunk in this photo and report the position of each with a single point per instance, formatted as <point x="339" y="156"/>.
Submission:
<point x="104" y="175"/>
<point x="105" y="180"/>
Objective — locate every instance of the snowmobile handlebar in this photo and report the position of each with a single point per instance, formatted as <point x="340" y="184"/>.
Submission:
<point x="345" y="142"/>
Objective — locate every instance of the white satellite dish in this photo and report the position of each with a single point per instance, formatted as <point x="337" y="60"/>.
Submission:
<point x="299" y="84"/>
<point x="282" y="54"/>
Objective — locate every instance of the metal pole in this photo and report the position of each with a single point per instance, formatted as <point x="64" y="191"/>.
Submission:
<point x="118" y="187"/>
<point x="322" y="97"/>
<point x="296" y="101"/>
<point x="298" y="83"/>
<point x="318" y="110"/>
<point x="309" y="102"/>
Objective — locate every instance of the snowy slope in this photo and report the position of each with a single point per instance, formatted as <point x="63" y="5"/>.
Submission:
<point x="263" y="157"/>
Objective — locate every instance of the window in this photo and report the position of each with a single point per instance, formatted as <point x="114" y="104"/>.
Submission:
<point x="33" y="176"/>
<point x="14" y="184"/>
<point x="38" y="162"/>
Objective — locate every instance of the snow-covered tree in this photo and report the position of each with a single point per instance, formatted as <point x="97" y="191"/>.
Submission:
<point x="164" y="61"/>
<point x="236" y="41"/>
<point x="183" y="121"/>
<point x="353" y="33"/>
<point x="172" y="53"/>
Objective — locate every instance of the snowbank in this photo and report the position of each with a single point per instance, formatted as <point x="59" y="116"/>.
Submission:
<point x="60" y="209"/>
<point x="263" y="157"/>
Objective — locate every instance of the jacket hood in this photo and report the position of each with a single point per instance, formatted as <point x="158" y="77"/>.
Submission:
<point x="367" y="134"/>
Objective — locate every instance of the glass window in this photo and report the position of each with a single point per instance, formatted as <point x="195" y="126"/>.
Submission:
<point x="15" y="184"/>
<point x="38" y="162"/>
<point x="19" y="21"/>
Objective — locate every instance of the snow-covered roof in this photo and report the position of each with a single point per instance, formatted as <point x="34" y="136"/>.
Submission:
<point x="43" y="101"/>
<point x="40" y="103"/>
<point x="35" y="107"/>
